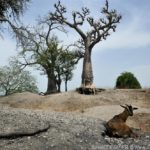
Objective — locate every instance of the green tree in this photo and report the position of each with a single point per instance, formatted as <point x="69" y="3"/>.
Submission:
<point x="13" y="80"/>
<point x="43" y="50"/>
<point x="67" y="76"/>
<point x="127" y="80"/>
<point x="10" y="11"/>
<point x="68" y="65"/>
<point x="100" y="29"/>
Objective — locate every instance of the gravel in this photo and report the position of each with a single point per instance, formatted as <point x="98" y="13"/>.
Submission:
<point x="44" y="130"/>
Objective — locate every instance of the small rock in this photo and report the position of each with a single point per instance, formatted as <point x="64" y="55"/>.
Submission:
<point x="78" y="134"/>
<point x="44" y="136"/>
<point x="81" y="141"/>
<point x="147" y="136"/>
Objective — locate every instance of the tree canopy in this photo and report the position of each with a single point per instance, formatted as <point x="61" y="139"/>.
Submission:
<point x="13" y="80"/>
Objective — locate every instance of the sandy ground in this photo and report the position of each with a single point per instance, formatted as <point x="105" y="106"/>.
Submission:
<point x="103" y="105"/>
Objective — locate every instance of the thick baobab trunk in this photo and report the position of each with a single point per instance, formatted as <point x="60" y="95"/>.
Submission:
<point x="87" y="75"/>
<point x="51" y="86"/>
<point x="87" y="72"/>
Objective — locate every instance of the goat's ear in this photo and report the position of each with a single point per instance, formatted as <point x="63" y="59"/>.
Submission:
<point x="134" y="108"/>
<point x="123" y="106"/>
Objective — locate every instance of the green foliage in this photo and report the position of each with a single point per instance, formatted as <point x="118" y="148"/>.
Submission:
<point x="68" y="60"/>
<point x="127" y="81"/>
<point x="58" y="60"/>
<point x="13" y="80"/>
<point x="46" y="54"/>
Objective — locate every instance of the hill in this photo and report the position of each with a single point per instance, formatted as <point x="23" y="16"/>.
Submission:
<point x="70" y="120"/>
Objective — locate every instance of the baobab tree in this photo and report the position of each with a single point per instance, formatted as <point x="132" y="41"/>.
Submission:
<point x="42" y="49"/>
<point x="100" y="29"/>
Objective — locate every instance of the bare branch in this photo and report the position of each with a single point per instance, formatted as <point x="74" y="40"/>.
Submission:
<point x="59" y="16"/>
<point x="100" y="28"/>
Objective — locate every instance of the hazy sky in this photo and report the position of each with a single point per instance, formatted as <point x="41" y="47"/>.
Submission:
<point x="127" y="49"/>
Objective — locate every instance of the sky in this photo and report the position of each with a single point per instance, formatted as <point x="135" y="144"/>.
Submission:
<point x="127" y="49"/>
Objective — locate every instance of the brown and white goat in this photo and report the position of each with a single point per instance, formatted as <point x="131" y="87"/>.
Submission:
<point x="116" y="127"/>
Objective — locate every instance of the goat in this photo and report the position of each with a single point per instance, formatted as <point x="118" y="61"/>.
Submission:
<point x="116" y="127"/>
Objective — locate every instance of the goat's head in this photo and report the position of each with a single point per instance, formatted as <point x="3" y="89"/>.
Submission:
<point x="129" y="109"/>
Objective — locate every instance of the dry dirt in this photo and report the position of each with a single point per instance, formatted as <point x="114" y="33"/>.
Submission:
<point x="103" y="105"/>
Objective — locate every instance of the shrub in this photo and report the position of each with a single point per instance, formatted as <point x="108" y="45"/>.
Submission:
<point x="127" y="81"/>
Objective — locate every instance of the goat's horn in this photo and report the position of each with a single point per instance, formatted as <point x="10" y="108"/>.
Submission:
<point x="123" y="106"/>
